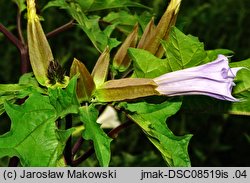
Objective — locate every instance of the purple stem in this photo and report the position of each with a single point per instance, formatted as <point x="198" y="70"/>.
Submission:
<point x="23" y="49"/>
<point x="60" y="29"/>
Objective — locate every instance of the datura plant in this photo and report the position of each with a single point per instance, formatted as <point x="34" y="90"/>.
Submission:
<point x="146" y="78"/>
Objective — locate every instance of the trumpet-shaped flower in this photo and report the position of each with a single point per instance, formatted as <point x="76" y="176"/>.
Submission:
<point x="214" y="79"/>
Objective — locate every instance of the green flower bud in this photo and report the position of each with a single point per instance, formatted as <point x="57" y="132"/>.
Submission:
<point x="39" y="50"/>
<point x="161" y="32"/>
<point x="124" y="89"/>
<point x="121" y="60"/>
<point x="85" y="83"/>
<point x="100" y="71"/>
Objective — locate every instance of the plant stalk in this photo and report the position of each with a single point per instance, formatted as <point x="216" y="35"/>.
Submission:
<point x="60" y="29"/>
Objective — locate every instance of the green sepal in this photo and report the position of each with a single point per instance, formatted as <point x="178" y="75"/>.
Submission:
<point x="125" y="89"/>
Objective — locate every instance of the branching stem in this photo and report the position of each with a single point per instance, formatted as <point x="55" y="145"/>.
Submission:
<point x="67" y="151"/>
<point x="11" y="37"/>
<point x="19" y="27"/>
<point x="60" y="29"/>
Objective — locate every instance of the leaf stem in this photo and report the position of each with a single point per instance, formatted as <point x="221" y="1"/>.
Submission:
<point x="127" y="73"/>
<point x="24" y="59"/>
<point x="67" y="151"/>
<point x="13" y="162"/>
<point x="113" y="134"/>
<point x="11" y="37"/>
<point x="77" y="146"/>
<point x="23" y="49"/>
<point x="19" y="27"/>
<point x="60" y="29"/>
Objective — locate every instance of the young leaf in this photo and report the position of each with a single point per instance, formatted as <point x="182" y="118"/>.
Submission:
<point x="92" y="131"/>
<point x="152" y="119"/>
<point x="21" y="4"/>
<point x="184" y="51"/>
<point x="146" y="65"/>
<point x="33" y="136"/>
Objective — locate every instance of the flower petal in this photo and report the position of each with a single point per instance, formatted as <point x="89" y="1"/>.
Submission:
<point x="214" y="79"/>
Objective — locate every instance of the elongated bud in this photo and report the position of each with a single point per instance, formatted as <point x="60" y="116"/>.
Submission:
<point x="123" y="89"/>
<point x="147" y="34"/>
<point x="163" y="28"/>
<point x="100" y="71"/>
<point x="121" y="59"/>
<point x="39" y="50"/>
<point x="85" y="83"/>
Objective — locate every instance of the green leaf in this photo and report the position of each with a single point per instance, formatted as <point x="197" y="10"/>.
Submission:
<point x="184" y="51"/>
<point x="90" y="25"/>
<point x="146" y="65"/>
<point x="56" y="3"/>
<point x="123" y="20"/>
<point x="11" y="92"/>
<point x="242" y="79"/>
<point x="152" y="119"/>
<point x="21" y="4"/>
<point x="96" y="5"/>
<point x="214" y="106"/>
<point x="29" y="80"/>
<point x="33" y="136"/>
<point x="92" y="131"/>
<point x="9" y="98"/>
<point x="213" y="54"/>
<point x="65" y="100"/>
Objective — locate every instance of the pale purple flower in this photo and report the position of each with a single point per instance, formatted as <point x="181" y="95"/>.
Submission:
<point x="214" y="79"/>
